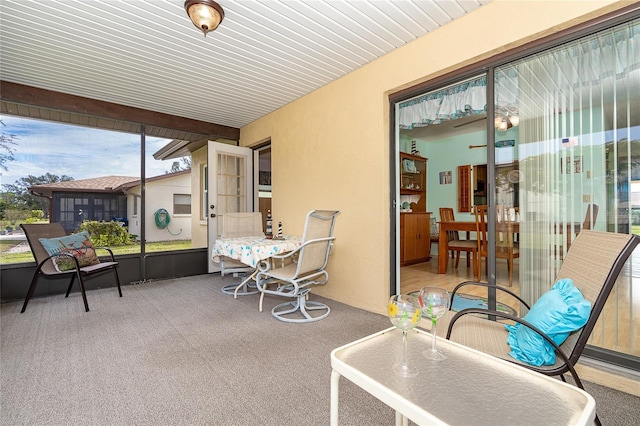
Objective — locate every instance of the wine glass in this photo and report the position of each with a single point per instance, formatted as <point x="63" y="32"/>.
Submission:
<point x="435" y="303"/>
<point x="405" y="313"/>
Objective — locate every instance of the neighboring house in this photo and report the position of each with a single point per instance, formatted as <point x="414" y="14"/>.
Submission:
<point x="118" y="198"/>
<point x="72" y="202"/>
<point x="167" y="196"/>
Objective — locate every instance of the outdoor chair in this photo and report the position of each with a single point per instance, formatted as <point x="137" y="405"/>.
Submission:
<point x="294" y="273"/>
<point x="238" y="225"/>
<point x="45" y="261"/>
<point x="593" y="264"/>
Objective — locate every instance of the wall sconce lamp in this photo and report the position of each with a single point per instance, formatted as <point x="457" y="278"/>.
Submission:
<point x="206" y="15"/>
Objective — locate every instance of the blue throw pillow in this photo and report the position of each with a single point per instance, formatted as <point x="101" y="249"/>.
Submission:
<point x="557" y="313"/>
<point x="78" y="245"/>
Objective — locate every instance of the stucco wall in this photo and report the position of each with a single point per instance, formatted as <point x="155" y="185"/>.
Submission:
<point x="330" y="149"/>
<point x="198" y="224"/>
<point x="159" y="195"/>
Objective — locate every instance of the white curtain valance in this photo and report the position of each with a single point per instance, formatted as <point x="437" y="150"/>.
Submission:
<point x="460" y="100"/>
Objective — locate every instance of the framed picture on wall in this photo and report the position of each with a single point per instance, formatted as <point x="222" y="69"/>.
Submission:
<point x="446" y="178"/>
<point x="577" y="164"/>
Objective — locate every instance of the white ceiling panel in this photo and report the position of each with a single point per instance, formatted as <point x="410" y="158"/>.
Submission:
<point x="147" y="54"/>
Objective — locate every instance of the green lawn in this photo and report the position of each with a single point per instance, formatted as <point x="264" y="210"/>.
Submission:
<point x="8" y="258"/>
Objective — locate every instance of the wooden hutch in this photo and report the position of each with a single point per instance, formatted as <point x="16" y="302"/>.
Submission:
<point x="415" y="236"/>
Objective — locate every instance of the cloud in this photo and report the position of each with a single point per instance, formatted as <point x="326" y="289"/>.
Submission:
<point x="76" y="151"/>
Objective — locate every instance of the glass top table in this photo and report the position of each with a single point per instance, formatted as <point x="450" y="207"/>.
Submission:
<point x="467" y="388"/>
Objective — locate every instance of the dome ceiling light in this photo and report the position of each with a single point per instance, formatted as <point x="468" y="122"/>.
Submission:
<point x="206" y="15"/>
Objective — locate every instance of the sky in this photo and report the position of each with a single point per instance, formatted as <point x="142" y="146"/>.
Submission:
<point x="76" y="151"/>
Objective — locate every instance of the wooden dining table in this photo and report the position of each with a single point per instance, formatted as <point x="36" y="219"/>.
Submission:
<point x="570" y="229"/>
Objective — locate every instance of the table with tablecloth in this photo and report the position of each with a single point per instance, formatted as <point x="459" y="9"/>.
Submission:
<point x="252" y="251"/>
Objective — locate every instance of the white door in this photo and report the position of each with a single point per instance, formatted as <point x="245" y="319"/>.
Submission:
<point x="229" y="187"/>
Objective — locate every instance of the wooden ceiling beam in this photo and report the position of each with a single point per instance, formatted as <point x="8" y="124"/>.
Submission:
<point x="36" y="97"/>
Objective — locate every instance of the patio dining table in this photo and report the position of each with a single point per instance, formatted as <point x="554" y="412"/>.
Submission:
<point x="252" y="251"/>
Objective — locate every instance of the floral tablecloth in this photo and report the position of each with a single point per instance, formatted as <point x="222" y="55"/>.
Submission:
<point x="252" y="250"/>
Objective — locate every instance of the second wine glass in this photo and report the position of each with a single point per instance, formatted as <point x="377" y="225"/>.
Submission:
<point x="435" y="304"/>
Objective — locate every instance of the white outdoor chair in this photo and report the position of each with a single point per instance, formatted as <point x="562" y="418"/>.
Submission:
<point x="237" y="225"/>
<point x="295" y="272"/>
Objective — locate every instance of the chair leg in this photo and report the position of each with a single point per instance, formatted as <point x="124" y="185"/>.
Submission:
<point x="579" y="384"/>
<point x="457" y="258"/>
<point x="32" y="288"/>
<point x="84" y="294"/>
<point x="301" y="305"/>
<point x="510" y="267"/>
<point x="73" y="277"/>
<point x="474" y="257"/>
<point x="115" y="271"/>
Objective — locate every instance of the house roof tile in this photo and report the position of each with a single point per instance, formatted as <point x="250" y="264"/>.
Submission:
<point x="100" y="184"/>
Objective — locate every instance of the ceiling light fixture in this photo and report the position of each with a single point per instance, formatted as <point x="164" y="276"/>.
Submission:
<point x="506" y="119"/>
<point x="206" y="15"/>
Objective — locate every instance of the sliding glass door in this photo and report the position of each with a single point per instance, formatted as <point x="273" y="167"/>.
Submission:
<point x="567" y="128"/>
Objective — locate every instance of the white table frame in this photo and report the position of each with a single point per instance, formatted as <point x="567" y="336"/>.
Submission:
<point x="367" y="363"/>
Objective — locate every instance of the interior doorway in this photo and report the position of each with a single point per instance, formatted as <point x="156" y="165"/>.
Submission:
<point x="263" y="175"/>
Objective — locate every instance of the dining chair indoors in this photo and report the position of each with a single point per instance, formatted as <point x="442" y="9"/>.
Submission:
<point x="505" y="245"/>
<point x="293" y="274"/>
<point x="455" y="244"/>
<point x="593" y="264"/>
<point x="591" y="216"/>
<point x="589" y="222"/>
<point x="238" y="225"/>
<point x="40" y="234"/>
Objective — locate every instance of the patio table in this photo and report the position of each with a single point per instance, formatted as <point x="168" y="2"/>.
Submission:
<point x="467" y="388"/>
<point x="252" y="251"/>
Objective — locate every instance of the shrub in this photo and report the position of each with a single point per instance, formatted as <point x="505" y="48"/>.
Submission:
<point x="16" y="215"/>
<point x="107" y="233"/>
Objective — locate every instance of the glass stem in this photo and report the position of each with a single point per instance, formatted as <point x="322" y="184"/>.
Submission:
<point x="404" y="353"/>
<point x="433" y="330"/>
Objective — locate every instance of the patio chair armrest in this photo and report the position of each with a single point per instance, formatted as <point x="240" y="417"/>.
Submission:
<point x="519" y="320"/>
<point x="41" y="264"/>
<point x="295" y="252"/>
<point x="481" y="284"/>
<point x="108" y="250"/>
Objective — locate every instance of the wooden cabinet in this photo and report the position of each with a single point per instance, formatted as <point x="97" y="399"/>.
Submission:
<point x="415" y="237"/>
<point x="413" y="182"/>
<point x="415" y="223"/>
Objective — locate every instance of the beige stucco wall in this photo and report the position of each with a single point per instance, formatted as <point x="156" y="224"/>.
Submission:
<point x="198" y="224"/>
<point x="330" y="149"/>
<point x="159" y="195"/>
